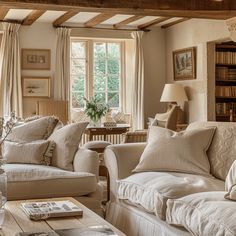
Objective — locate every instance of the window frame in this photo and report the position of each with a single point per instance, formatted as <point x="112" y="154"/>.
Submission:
<point x="89" y="84"/>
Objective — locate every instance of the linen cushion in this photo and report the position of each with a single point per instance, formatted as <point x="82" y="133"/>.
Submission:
<point x="33" y="130"/>
<point x="151" y="190"/>
<point x="36" y="152"/>
<point x="67" y="141"/>
<point x="38" y="181"/>
<point x="221" y="152"/>
<point x="207" y="213"/>
<point x="230" y="183"/>
<point x="176" y="151"/>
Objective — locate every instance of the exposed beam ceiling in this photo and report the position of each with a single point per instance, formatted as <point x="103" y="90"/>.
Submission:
<point x="174" y="23"/>
<point x="59" y="21"/>
<point x="153" y="22"/>
<point x="187" y="8"/>
<point x="127" y="21"/>
<point x="98" y="19"/>
<point x="32" y="17"/>
<point x="3" y="12"/>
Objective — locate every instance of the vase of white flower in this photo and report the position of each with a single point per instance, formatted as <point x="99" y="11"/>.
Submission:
<point x="6" y="126"/>
<point x="95" y="110"/>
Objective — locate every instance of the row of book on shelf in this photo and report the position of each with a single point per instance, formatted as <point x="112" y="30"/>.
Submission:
<point x="225" y="91"/>
<point x="225" y="57"/>
<point x="225" y="108"/>
<point x="225" y="73"/>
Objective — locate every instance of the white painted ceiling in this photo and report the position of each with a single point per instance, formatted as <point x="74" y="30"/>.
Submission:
<point x="81" y="18"/>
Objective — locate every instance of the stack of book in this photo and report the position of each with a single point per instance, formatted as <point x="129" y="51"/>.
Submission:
<point x="224" y="91"/>
<point x="221" y="73"/>
<point x="232" y="74"/>
<point x="225" y="57"/>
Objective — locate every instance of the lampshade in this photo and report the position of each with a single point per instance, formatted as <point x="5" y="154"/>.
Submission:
<point x="173" y="93"/>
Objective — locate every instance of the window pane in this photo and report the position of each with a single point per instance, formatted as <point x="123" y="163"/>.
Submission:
<point x="77" y="100"/>
<point x="113" y="99"/>
<point x="78" y="49"/>
<point x="78" y="85"/>
<point x="113" y="50"/>
<point x="113" y="67"/>
<point x="113" y="83"/>
<point x="100" y="96"/>
<point x="100" y="66"/>
<point x="99" y="50"/>
<point x="99" y="83"/>
<point x="78" y="66"/>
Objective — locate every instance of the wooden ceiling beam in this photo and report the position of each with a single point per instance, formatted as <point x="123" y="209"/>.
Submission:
<point x="98" y="19"/>
<point x="62" y="19"/>
<point x="127" y="21"/>
<point x="3" y="12"/>
<point x="153" y="22"/>
<point x="33" y="16"/>
<point x="174" y="23"/>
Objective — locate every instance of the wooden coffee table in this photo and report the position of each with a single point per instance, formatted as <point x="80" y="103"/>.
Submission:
<point x="17" y="221"/>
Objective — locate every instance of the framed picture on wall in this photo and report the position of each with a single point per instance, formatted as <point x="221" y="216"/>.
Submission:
<point x="184" y="64"/>
<point x="35" y="59"/>
<point x="36" y="87"/>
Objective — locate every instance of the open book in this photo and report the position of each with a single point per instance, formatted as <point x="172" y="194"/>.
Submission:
<point x="50" y="209"/>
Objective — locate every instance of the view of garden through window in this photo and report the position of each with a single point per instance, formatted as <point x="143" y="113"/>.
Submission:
<point x="104" y="65"/>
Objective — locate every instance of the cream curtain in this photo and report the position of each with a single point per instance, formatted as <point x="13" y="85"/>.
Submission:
<point x="138" y="83"/>
<point x="10" y="71"/>
<point x="62" y="74"/>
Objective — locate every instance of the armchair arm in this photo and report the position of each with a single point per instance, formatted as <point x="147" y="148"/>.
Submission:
<point x="120" y="160"/>
<point x="86" y="161"/>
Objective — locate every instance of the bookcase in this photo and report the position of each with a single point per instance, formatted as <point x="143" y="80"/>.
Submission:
<point x="225" y="81"/>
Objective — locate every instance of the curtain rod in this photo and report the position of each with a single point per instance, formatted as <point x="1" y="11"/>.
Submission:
<point x="100" y="28"/>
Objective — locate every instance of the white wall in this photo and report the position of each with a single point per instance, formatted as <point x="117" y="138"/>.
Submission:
<point x="197" y="33"/>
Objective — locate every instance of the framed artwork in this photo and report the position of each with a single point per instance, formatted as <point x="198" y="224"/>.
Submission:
<point x="36" y="59"/>
<point x="36" y="87"/>
<point x="184" y="64"/>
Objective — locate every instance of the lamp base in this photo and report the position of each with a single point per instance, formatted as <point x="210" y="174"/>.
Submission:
<point x="180" y="119"/>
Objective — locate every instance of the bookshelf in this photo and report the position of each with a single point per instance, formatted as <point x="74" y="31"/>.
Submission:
<point x="225" y="82"/>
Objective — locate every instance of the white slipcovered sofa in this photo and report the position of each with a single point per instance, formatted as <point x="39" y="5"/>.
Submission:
<point x="147" y="203"/>
<point x="77" y="177"/>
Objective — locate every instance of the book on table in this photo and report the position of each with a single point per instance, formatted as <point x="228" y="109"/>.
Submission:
<point x="50" y="209"/>
<point x="100" y="230"/>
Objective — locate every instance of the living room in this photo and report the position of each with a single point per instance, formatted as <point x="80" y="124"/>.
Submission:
<point x="117" y="118"/>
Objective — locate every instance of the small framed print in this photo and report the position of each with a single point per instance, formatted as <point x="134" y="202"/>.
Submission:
<point x="36" y="87"/>
<point x="184" y="64"/>
<point x="36" y="59"/>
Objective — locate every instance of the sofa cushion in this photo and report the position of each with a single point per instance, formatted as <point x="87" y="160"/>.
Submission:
<point x="36" y="152"/>
<point x="67" y="141"/>
<point x="36" y="181"/>
<point x="33" y="130"/>
<point x="230" y="183"/>
<point x="177" y="151"/>
<point x="151" y="190"/>
<point x="207" y="213"/>
<point x="221" y="152"/>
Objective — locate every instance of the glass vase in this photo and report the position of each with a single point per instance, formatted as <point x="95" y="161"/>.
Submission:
<point x="95" y="121"/>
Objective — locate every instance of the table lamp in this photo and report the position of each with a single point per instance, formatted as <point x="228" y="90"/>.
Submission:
<point x="174" y="94"/>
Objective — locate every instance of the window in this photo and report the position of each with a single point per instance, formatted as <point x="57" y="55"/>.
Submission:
<point x="96" y="70"/>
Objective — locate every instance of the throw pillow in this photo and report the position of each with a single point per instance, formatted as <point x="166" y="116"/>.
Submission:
<point x="118" y="116"/>
<point x="36" y="152"/>
<point x="33" y="130"/>
<point x="67" y="141"/>
<point x="184" y="151"/>
<point x="230" y="183"/>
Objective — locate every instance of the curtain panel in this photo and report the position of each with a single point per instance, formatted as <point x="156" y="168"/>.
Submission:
<point x="10" y="71"/>
<point x="138" y="83"/>
<point x="62" y="74"/>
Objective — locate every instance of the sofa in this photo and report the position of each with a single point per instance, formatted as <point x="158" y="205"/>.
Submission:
<point x="148" y="203"/>
<point x="27" y="179"/>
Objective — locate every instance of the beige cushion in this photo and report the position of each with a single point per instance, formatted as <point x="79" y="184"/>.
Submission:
<point x="177" y="151"/>
<point x="230" y="183"/>
<point x="36" y="152"/>
<point x="67" y="141"/>
<point x="34" y="130"/>
<point x="37" y="181"/>
<point x="206" y="213"/>
<point x="222" y="150"/>
<point x="151" y="190"/>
